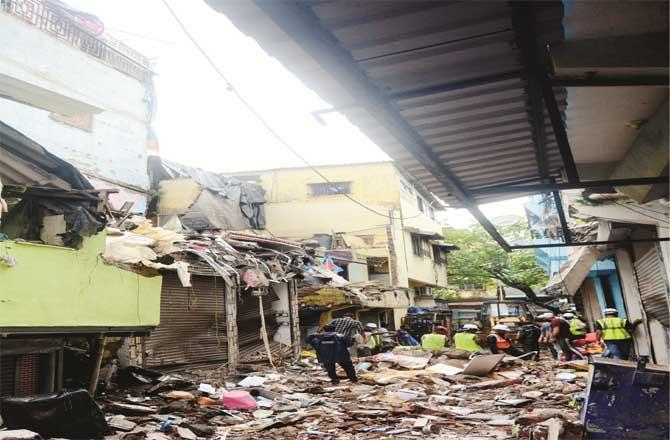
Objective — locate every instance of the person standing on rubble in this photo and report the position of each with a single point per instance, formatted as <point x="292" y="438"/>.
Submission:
<point x="560" y="334"/>
<point x="433" y="341"/>
<point x="545" y="333"/>
<point x="348" y="326"/>
<point x="499" y="341"/>
<point x="577" y="326"/>
<point x="617" y="334"/>
<point x="467" y="339"/>
<point x="331" y="349"/>
<point x="529" y="338"/>
<point x="369" y="340"/>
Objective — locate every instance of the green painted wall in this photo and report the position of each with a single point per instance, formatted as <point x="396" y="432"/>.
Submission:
<point x="62" y="287"/>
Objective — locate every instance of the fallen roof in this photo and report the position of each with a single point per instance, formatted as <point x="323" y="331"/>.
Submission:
<point x="25" y="162"/>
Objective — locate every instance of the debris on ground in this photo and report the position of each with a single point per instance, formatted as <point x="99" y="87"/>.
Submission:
<point x="403" y="394"/>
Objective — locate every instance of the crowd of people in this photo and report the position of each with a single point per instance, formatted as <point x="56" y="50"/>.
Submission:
<point x="345" y="338"/>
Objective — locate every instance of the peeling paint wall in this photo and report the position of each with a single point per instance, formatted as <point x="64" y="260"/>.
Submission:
<point x="115" y="144"/>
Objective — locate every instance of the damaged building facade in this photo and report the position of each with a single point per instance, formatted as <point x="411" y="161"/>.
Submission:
<point x="88" y="97"/>
<point x="396" y="243"/>
<point x="57" y="292"/>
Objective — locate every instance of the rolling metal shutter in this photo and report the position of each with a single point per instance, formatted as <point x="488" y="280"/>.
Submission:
<point x="192" y="330"/>
<point x="249" y="325"/>
<point x="653" y="284"/>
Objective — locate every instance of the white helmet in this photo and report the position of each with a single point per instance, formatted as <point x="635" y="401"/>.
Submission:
<point x="546" y="315"/>
<point x="371" y="325"/>
<point x="568" y="315"/>
<point x="610" y="311"/>
<point x="501" y="327"/>
<point x="470" y="327"/>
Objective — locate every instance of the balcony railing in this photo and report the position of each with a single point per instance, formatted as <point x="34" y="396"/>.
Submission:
<point x="52" y="20"/>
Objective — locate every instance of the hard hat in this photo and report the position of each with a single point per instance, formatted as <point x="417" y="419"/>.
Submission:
<point x="371" y="325"/>
<point x="470" y="327"/>
<point x="546" y="315"/>
<point x="568" y="315"/>
<point x="502" y="327"/>
<point x="610" y="311"/>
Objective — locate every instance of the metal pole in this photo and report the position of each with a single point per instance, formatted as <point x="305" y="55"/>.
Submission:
<point x="97" y="362"/>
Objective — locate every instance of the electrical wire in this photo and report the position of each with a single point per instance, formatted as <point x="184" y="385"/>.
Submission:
<point x="267" y="126"/>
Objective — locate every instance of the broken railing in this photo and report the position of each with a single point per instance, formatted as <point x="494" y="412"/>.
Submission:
<point x="61" y="24"/>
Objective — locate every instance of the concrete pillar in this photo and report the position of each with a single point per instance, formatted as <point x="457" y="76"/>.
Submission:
<point x="631" y="295"/>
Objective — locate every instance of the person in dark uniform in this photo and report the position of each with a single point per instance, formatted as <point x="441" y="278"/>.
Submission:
<point x="529" y="338"/>
<point x="333" y="348"/>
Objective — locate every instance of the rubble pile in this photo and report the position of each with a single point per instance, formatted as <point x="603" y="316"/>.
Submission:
<point x="395" y="397"/>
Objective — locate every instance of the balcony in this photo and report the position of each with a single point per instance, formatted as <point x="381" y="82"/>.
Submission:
<point x="60" y="24"/>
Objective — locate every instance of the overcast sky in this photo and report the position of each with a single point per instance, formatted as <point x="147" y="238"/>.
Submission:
<point x="200" y="123"/>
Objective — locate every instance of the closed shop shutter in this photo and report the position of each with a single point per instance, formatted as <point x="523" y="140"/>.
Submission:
<point x="7" y="375"/>
<point x="192" y="329"/>
<point x="653" y="286"/>
<point x="249" y="325"/>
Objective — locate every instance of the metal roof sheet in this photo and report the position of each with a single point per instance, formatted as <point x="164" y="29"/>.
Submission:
<point x="415" y="53"/>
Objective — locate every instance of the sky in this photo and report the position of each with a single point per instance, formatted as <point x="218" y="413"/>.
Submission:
<point x="201" y="123"/>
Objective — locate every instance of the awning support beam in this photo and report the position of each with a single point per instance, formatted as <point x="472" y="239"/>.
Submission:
<point x="642" y="81"/>
<point x="548" y="187"/>
<point x="589" y="243"/>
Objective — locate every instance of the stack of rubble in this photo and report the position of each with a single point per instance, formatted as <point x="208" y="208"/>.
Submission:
<point x="437" y="396"/>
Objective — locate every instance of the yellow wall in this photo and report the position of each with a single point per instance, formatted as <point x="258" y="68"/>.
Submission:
<point x="292" y="212"/>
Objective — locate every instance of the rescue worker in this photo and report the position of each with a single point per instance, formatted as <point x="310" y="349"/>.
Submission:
<point x="369" y="340"/>
<point x="545" y="333"/>
<point x="617" y="334"/>
<point x="387" y="341"/>
<point x="332" y="348"/>
<point x="529" y="338"/>
<point x="499" y="341"/>
<point x="577" y="326"/>
<point x="405" y="338"/>
<point x="433" y="341"/>
<point x="467" y="339"/>
<point x="347" y="325"/>
<point x="560" y="334"/>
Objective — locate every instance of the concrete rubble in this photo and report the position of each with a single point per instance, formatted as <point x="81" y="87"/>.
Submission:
<point x="519" y="399"/>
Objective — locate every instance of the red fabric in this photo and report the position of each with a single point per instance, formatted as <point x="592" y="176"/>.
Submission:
<point x="501" y="342"/>
<point x="563" y="327"/>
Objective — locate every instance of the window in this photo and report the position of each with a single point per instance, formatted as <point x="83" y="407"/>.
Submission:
<point x="419" y="203"/>
<point x="471" y="287"/>
<point x="416" y="245"/>
<point x="439" y="255"/>
<point x="431" y="212"/>
<point x="420" y="246"/>
<point x="330" y="189"/>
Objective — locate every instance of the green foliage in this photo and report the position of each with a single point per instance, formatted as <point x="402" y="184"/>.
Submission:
<point x="445" y="294"/>
<point x="481" y="259"/>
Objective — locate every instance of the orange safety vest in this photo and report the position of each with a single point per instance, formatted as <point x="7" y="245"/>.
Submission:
<point x="501" y="342"/>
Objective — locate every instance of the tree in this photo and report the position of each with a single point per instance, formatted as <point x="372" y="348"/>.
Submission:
<point x="480" y="259"/>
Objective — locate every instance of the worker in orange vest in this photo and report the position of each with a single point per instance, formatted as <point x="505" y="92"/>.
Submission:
<point x="499" y="341"/>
